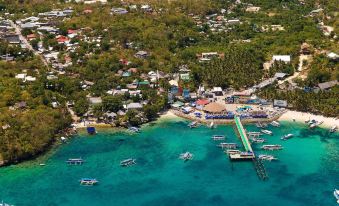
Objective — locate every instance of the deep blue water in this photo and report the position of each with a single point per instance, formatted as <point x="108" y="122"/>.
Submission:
<point x="306" y="173"/>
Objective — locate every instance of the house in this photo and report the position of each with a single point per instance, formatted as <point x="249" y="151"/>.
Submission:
<point x="29" y="25"/>
<point x="141" y="54"/>
<point x="126" y="74"/>
<point x="62" y="39"/>
<point x="333" y="56"/>
<point x="21" y="76"/>
<point x="7" y="58"/>
<point x="280" y="103"/>
<point x="119" y="11"/>
<point x="136" y="106"/>
<point x="207" y="56"/>
<point x="88" y="11"/>
<point x="20" y="105"/>
<point x="31" y="37"/>
<point x="217" y="91"/>
<point x="95" y="100"/>
<point x="305" y="49"/>
<point x="280" y="75"/>
<point x="283" y="58"/>
<point x="327" y="85"/>
<point x="252" y="9"/>
<point x="13" y="39"/>
<point x="185" y="76"/>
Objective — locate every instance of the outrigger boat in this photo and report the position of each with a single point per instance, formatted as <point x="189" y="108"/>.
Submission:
<point x="186" y="156"/>
<point x="227" y="145"/>
<point x="333" y="129"/>
<point x="75" y="161"/>
<point x="267" y="157"/>
<point x="272" y="147"/>
<point x="134" y="129"/>
<point x="218" y="137"/>
<point x="88" y="181"/>
<point x="5" y="204"/>
<point x="336" y="195"/>
<point x="193" y="124"/>
<point x="286" y="137"/>
<point x="275" y="124"/>
<point x="265" y="131"/>
<point x="232" y="151"/>
<point x="315" y="124"/>
<point x="261" y="125"/>
<point x="258" y="140"/>
<point x="127" y="162"/>
<point x="254" y="133"/>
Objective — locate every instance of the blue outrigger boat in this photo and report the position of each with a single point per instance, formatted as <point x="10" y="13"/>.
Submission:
<point x="91" y="130"/>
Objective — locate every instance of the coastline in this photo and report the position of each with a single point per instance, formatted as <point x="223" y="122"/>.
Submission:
<point x="291" y="115"/>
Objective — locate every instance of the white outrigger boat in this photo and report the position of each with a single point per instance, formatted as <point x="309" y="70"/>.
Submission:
<point x="88" y="181"/>
<point x="333" y="129"/>
<point x="218" y="137"/>
<point x="193" y="124"/>
<point x="5" y="204"/>
<point x="336" y="195"/>
<point x="134" y="129"/>
<point x="272" y="147"/>
<point x="275" y="124"/>
<point x="261" y="125"/>
<point x="186" y="156"/>
<point x="267" y="157"/>
<point x="258" y="140"/>
<point x="232" y="151"/>
<point x="265" y="131"/>
<point x="127" y="162"/>
<point x="286" y="137"/>
<point x="315" y="123"/>
<point x="226" y="145"/>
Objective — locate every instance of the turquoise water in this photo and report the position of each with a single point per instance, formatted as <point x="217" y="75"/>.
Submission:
<point x="306" y="173"/>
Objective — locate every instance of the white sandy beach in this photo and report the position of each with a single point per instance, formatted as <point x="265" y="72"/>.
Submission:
<point x="302" y="117"/>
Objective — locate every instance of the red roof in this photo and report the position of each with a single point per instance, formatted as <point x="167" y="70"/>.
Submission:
<point x="71" y="31"/>
<point x="62" y="39"/>
<point x="202" y="102"/>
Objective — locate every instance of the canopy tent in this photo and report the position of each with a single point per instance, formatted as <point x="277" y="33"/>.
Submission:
<point x="214" y="108"/>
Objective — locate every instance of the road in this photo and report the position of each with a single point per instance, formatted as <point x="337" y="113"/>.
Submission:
<point x="26" y="43"/>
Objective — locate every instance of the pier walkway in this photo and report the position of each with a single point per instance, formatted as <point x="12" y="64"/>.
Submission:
<point x="243" y="135"/>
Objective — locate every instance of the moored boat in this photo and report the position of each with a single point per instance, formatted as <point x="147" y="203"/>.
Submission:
<point x="287" y="136"/>
<point x="193" y="124"/>
<point x="272" y="147"/>
<point x="218" y="137"/>
<point x="233" y="151"/>
<point x="265" y="131"/>
<point x="336" y="195"/>
<point x="275" y="124"/>
<point x="267" y="157"/>
<point x="5" y="204"/>
<point x="91" y="130"/>
<point x="88" y="181"/>
<point x="261" y="125"/>
<point x="258" y="140"/>
<point x="75" y="161"/>
<point x="127" y="162"/>
<point x="227" y="145"/>
<point x="186" y="156"/>
<point x="134" y="129"/>
<point x="333" y="129"/>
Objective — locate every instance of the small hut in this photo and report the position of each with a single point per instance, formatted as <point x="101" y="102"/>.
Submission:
<point x="214" y="108"/>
